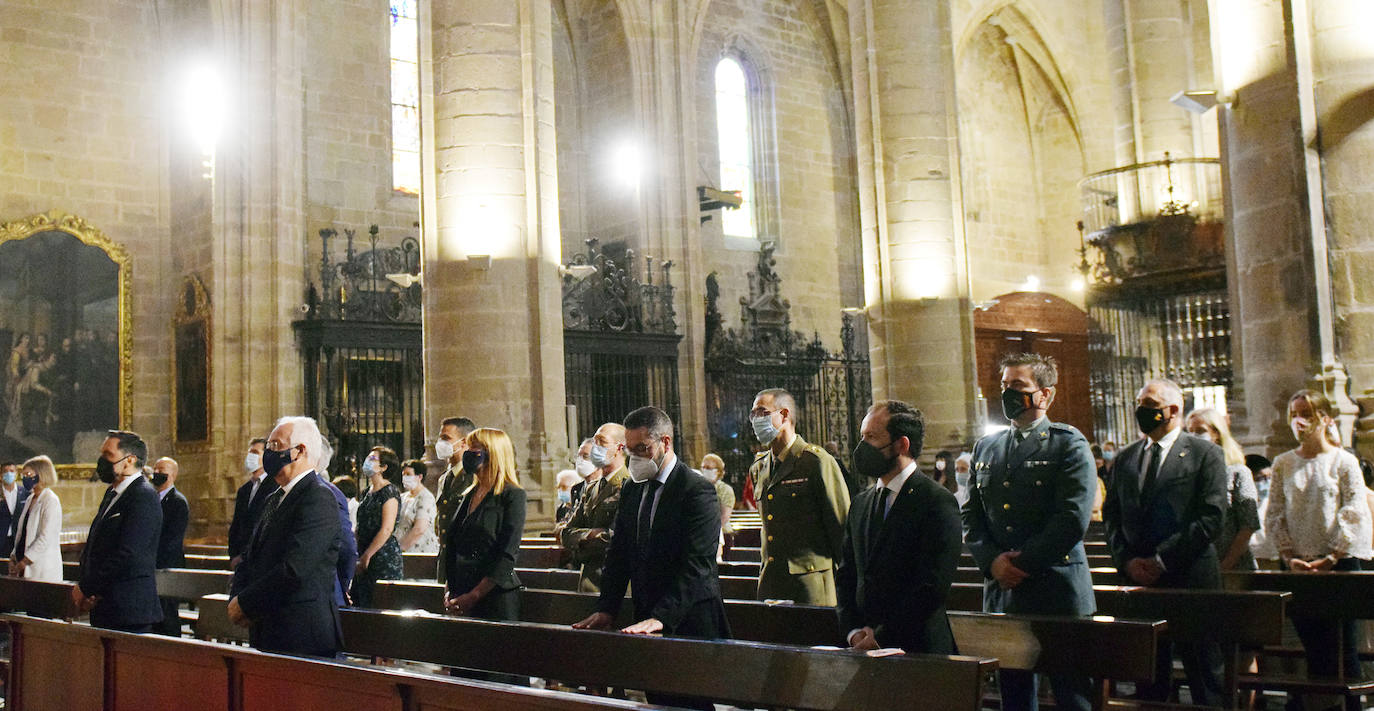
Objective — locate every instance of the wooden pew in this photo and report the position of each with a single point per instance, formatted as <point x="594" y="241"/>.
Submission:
<point x="1094" y="560"/>
<point x="36" y="598"/>
<point x="68" y="666"/>
<point x="741" y="673"/>
<point x="207" y="562"/>
<point x="419" y="566"/>
<point x="541" y="557"/>
<point x="1100" y="576"/>
<point x="746" y="555"/>
<point x="205" y="549"/>
<point x="549" y="578"/>
<point x="740" y="568"/>
<point x="1330" y="596"/>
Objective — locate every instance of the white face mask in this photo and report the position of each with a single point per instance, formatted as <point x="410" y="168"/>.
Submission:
<point x="443" y="449"/>
<point x="939" y="465"/>
<point x="642" y="469"/>
<point x="252" y="462"/>
<point x="585" y="467"/>
<point x="411" y="482"/>
<point x="710" y="473"/>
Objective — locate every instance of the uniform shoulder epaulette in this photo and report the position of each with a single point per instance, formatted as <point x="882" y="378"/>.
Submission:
<point x="1065" y="427"/>
<point x="815" y="449"/>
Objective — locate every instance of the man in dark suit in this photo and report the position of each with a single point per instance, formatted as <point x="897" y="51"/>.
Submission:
<point x="117" y="583"/>
<point x="901" y="544"/>
<point x="12" y="498"/>
<point x="666" y="532"/>
<point x="1164" y="505"/>
<point x="283" y="590"/>
<point x="176" y="513"/>
<point x="249" y="500"/>
<point x="1029" y="502"/>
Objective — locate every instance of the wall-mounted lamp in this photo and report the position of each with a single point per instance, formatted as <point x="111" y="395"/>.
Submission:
<point x="854" y="310"/>
<point x="1198" y="102"/>
<point x="480" y="261"/>
<point x="405" y="279"/>
<point x="578" y="272"/>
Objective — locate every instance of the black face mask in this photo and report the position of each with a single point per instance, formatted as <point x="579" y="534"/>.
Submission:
<point x="158" y="479"/>
<point x="473" y="460"/>
<point x="29" y="481"/>
<point x="104" y="469"/>
<point x="274" y="461"/>
<point x="870" y="462"/>
<point x="1148" y="418"/>
<point x="1015" y="403"/>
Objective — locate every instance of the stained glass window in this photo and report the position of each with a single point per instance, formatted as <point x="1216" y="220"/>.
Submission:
<point x="735" y="146"/>
<point x="405" y="97"/>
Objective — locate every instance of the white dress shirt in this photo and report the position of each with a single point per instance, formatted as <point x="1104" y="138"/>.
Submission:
<point x="1166" y="443"/>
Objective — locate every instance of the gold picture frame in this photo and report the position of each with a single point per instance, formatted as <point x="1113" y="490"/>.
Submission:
<point x="57" y="221"/>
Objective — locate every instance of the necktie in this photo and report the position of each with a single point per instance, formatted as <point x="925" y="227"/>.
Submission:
<point x="104" y="504"/>
<point x="875" y="521"/>
<point x="272" y="502"/>
<point x="1152" y="471"/>
<point x="646" y="515"/>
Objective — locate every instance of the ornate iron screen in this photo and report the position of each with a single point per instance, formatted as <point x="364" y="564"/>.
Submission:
<point x="833" y="390"/>
<point x="361" y="343"/>
<point x="620" y="339"/>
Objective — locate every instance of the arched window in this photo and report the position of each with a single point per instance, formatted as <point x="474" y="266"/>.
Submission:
<point x="733" y="139"/>
<point x="405" y="97"/>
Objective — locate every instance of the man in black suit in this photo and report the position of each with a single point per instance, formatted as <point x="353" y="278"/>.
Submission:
<point x="284" y="589"/>
<point x="664" y="544"/>
<point x="176" y="513"/>
<point x="249" y="500"/>
<point x="12" y="498"/>
<point x="901" y="542"/>
<point x="117" y="583"/>
<point x="1165" y="503"/>
<point x="1028" y="507"/>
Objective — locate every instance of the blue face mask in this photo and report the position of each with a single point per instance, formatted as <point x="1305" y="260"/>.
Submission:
<point x="1263" y="487"/>
<point x="764" y="429"/>
<point x="564" y="497"/>
<point x="369" y="466"/>
<point x="599" y="456"/>
<point x="8" y="477"/>
<point x="1108" y="456"/>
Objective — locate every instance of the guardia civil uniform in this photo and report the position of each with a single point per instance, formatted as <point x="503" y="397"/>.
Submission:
<point x="803" y="502"/>
<point x="1034" y="494"/>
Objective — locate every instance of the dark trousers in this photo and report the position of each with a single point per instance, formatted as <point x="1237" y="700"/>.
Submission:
<point x="1204" y="666"/>
<point x="171" y="618"/>
<point x="1331" y="645"/>
<point x="1020" y="691"/>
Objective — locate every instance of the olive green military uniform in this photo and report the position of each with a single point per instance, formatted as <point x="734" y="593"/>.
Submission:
<point x="594" y="509"/>
<point x="452" y="484"/>
<point x="803" y="500"/>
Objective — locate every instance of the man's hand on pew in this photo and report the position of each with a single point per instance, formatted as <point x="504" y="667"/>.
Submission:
<point x="863" y="639"/>
<point x="83" y="602"/>
<point x="236" y="613"/>
<point x="1143" y="570"/>
<point x="1005" y="572"/>
<point x="594" y="621"/>
<point x="648" y="626"/>
<point x="461" y="604"/>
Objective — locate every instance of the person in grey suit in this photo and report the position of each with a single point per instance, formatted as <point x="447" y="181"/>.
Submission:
<point x="1027" y="510"/>
<point x="1164" y="506"/>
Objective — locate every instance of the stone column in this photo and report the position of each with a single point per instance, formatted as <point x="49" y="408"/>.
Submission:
<point x="914" y="260"/>
<point x="1280" y="273"/>
<point x="1342" y="81"/>
<point x="493" y="328"/>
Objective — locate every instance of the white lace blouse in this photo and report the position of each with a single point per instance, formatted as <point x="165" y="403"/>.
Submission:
<point x="1318" y="506"/>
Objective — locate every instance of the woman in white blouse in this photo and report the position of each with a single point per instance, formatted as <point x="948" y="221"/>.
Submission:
<point x="37" y="549"/>
<point x="415" y="528"/>
<point x="1319" y="519"/>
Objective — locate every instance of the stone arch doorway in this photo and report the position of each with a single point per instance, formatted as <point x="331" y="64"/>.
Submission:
<point x="1036" y="322"/>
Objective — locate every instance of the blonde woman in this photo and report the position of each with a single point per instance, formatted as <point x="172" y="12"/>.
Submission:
<point x="1319" y="519"/>
<point x="483" y="539"/>
<point x="37" y="551"/>
<point x="1242" y="515"/>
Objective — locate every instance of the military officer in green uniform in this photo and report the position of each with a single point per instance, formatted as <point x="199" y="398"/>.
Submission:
<point x="1028" y="506"/>
<point x="449" y="448"/>
<point x="587" y="534"/>
<point x="803" y="500"/>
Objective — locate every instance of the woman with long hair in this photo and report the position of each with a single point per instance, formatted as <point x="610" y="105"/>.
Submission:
<point x="37" y="553"/>
<point x="1242" y="515"/>
<point x="483" y="538"/>
<point x="1319" y="519"/>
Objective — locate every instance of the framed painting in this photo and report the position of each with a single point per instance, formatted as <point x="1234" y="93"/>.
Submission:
<point x="66" y="339"/>
<point x="191" y="367"/>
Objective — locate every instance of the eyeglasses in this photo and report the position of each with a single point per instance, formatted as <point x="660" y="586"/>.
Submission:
<point x="761" y="412"/>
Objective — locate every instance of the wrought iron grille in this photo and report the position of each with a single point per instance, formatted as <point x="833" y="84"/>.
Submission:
<point x="832" y="390"/>
<point x="620" y="339"/>
<point x="1185" y="338"/>
<point x="362" y="348"/>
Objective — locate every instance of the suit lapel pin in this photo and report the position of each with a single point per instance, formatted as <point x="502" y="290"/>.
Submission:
<point x="1182" y="454"/>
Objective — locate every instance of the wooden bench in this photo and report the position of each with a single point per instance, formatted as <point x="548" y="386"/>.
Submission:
<point x="58" y="665"/>
<point x="419" y="566"/>
<point x="741" y="568"/>
<point x="1331" y="596"/>
<point x="743" y="673"/>
<point x="207" y="562"/>
<point x="745" y="555"/>
<point x="1100" y="576"/>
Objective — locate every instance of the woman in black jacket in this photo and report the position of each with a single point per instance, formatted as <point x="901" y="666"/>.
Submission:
<point x="483" y="539"/>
